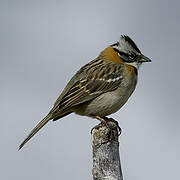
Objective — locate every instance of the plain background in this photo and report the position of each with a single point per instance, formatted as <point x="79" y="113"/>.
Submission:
<point x="43" y="43"/>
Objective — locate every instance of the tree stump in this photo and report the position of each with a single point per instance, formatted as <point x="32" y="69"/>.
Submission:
<point x="106" y="159"/>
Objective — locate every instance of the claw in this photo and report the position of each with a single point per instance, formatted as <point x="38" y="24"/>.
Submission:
<point x="104" y="120"/>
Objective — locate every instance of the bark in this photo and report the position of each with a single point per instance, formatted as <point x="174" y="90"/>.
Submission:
<point x="106" y="159"/>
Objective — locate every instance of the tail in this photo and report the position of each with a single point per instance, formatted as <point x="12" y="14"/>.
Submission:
<point x="36" y="129"/>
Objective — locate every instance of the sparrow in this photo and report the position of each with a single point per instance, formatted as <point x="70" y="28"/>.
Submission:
<point x="101" y="87"/>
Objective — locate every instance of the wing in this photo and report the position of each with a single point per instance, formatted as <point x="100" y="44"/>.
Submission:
<point x="90" y="81"/>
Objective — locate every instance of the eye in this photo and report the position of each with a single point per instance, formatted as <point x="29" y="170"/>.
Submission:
<point x="132" y="56"/>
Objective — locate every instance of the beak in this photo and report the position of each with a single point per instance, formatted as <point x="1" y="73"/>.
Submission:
<point x="144" y="59"/>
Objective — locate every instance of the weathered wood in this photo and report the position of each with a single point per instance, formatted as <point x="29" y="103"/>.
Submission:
<point x="106" y="159"/>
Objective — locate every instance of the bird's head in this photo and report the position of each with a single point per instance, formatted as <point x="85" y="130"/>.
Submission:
<point x="129" y="52"/>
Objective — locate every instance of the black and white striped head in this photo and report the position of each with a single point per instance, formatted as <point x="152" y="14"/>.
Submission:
<point x="129" y="52"/>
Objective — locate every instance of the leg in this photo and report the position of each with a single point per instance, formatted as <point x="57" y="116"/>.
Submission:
<point x="102" y="119"/>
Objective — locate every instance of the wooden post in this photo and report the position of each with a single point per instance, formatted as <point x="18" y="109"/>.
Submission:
<point x="106" y="160"/>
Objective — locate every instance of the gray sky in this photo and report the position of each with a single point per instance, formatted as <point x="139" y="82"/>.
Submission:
<point x="43" y="43"/>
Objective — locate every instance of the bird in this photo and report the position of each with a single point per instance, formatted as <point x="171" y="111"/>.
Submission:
<point x="100" y="87"/>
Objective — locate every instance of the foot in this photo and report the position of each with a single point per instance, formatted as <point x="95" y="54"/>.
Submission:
<point x="104" y="120"/>
<point x="119" y="128"/>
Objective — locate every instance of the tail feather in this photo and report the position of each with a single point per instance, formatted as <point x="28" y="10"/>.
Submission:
<point x="36" y="129"/>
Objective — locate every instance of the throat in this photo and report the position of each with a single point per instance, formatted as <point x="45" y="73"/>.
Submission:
<point x="135" y="64"/>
